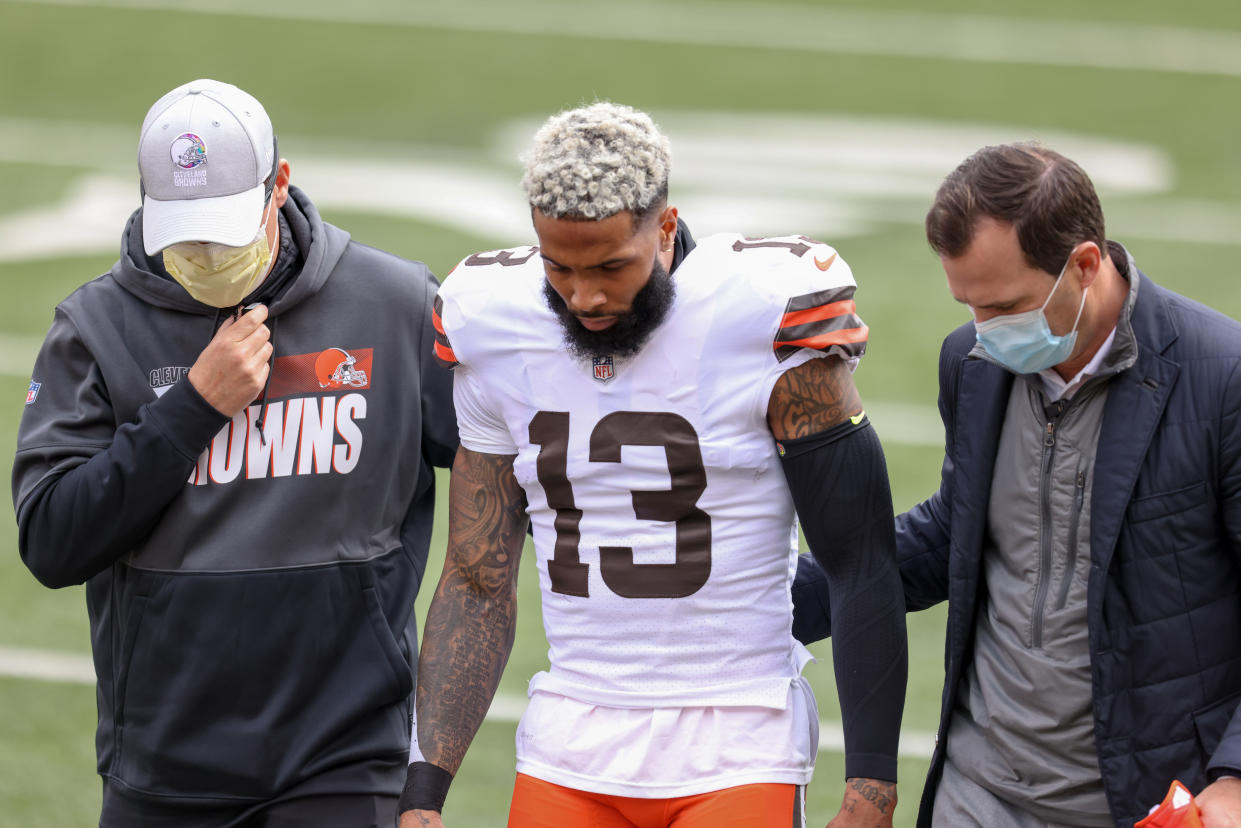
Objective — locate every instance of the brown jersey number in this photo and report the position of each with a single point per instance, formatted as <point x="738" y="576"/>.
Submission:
<point x="549" y="430"/>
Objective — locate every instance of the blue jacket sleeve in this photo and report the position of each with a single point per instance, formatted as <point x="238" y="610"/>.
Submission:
<point x="812" y="604"/>
<point x="922" y="537"/>
<point x="921" y="554"/>
<point x="85" y="488"/>
<point x="924" y="532"/>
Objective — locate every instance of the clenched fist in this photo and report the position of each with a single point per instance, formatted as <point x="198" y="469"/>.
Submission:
<point x="231" y="370"/>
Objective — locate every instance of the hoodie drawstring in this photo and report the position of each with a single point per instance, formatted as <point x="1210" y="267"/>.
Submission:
<point x="271" y="367"/>
<point x="215" y="326"/>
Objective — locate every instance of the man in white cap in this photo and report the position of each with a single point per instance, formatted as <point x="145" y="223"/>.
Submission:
<point x="229" y="438"/>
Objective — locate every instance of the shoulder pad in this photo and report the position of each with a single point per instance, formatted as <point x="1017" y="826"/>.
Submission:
<point x="471" y="286"/>
<point x="805" y="278"/>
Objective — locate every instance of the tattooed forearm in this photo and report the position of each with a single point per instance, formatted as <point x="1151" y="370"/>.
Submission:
<point x="881" y="795"/>
<point x="811" y="398"/>
<point x="868" y="803"/>
<point x="471" y="621"/>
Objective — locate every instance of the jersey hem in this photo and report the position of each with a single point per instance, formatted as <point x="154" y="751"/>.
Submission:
<point x="638" y="790"/>
<point x="768" y="692"/>
<point x="480" y="447"/>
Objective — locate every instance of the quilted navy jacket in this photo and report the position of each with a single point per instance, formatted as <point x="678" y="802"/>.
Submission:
<point x="1164" y="592"/>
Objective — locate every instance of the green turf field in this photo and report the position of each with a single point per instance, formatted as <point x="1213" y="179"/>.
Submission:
<point x="403" y="121"/>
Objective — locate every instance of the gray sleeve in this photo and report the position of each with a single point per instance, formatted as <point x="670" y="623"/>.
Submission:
<point x="86" y="488"/>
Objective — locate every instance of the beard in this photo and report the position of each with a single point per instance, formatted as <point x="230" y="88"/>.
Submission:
<point x="631" y="330"/>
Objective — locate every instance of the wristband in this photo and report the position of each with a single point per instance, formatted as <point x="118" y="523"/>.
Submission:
<point x="426" y="787"/>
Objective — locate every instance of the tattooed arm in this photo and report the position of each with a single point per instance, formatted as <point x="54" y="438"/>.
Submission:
<point x="812" y="398"/>
<point x="472" y="618"/>
<point x="836" y="474"/>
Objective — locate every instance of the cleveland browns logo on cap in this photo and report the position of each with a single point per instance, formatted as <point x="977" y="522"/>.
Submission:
<point x="188" y="151"/>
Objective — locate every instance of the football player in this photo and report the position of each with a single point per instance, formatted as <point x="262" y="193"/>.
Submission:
<point x="657" y="407"/>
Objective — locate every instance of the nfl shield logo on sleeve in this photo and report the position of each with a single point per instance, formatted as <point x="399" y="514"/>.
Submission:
<point x="33" y="391"/>
<point x="603" y="368"/>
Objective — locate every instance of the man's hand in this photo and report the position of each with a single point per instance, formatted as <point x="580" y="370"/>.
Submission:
<point x="868" y="803"/>
<point x="231" y="370"/>
<point x="1219" y="804"/>
<point x="421" y="819"/>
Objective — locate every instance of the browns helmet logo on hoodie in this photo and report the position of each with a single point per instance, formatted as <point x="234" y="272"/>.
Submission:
<point x="304" y="428"/>
<point x="335" y="368"/>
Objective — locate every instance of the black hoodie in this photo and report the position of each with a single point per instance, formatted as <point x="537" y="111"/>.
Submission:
<point x="250" y="599"/>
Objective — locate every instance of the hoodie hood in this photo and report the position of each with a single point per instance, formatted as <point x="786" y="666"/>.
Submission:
<point x="321" y="244"/>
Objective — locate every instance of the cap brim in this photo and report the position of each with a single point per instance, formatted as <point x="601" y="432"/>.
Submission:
<point x="232" y="220"/>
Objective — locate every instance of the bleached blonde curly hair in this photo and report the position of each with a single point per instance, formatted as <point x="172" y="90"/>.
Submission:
<point x="596" y="161"/>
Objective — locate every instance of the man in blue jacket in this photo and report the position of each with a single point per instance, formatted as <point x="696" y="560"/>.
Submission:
<point x="1087" y="529"/>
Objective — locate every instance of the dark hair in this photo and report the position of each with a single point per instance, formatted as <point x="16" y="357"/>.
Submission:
<point x="1047" y="198"/>
<point x="655" y="208"/>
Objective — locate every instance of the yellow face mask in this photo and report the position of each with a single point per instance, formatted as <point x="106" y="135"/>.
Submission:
<point x="217" y="274"/>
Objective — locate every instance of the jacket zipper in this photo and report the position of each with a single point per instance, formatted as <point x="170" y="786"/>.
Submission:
<point x="1070" y="564"/>
<point x="1044" y="532"/>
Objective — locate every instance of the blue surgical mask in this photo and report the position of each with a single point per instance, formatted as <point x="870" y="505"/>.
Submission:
<point x="1023" y="342"/>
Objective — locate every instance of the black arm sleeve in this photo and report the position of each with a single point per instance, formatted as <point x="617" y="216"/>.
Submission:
<point x="839" y="483"/>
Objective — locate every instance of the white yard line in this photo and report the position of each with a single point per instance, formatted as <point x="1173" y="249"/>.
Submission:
<point x="17" y="354"/>
<point x="46" y="665"/>
<point x="75" y="668"/>
<point x="832" y="176"/>
<point x="857" y="31"/>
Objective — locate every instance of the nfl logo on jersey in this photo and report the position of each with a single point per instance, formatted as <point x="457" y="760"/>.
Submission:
<point x="603" y="369"/>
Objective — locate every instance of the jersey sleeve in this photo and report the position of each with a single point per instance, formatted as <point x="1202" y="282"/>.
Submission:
<point x="823" y="317"/>
<point x="466" y="292"/>
<point x="482" y="430"/>
<point x="442" y="348"/>
<point x="461" y="297"/>
<point x="810" y="308"/>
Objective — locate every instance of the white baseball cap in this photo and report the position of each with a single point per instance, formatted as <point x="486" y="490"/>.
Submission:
<point x="205" y="151"/>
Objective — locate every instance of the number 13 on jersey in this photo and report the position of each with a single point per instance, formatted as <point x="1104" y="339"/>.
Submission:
<point x="549" y="430"/>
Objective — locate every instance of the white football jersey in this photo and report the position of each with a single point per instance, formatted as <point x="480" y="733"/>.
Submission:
<point x="664" y="530"/>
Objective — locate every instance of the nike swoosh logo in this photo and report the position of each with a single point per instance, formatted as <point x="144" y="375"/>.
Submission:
<point x="858" y="419"/>
<point x="825" y="265"/>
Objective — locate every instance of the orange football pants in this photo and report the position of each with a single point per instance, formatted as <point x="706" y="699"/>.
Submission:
<point x="539" y="804"/>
